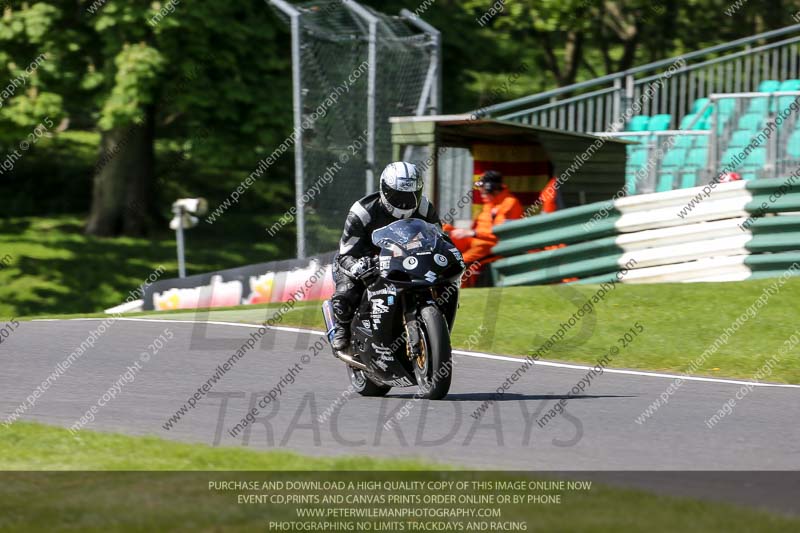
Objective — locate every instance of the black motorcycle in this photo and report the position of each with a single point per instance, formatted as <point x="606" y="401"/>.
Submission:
<point x="400" y="334"/>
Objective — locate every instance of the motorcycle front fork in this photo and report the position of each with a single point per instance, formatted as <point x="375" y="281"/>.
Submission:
<point x="411" y="325"/>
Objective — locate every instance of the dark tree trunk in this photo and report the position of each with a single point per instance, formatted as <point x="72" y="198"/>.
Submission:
<point x="123" y="181"/>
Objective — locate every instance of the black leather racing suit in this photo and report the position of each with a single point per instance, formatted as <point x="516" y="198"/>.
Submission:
<point x="366" y="215"/>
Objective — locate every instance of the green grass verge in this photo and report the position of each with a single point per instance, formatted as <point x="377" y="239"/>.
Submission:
<point x="29" y="446"/>
<point x="680" y="322"/>
<point x="172" y="501"/>
<point x="52" y="267"/>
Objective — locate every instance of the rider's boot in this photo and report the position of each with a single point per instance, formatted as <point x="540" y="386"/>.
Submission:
<point x="341" y="338"/>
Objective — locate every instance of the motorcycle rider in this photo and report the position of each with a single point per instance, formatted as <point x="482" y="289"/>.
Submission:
<point x="400" y="196"/>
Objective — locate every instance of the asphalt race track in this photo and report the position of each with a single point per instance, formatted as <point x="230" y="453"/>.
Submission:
<point x="598" y="430"/>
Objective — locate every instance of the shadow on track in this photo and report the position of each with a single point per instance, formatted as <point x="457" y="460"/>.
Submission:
<point x="483" y="396"/>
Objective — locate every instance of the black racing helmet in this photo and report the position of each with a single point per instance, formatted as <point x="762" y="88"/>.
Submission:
<point x="401" y="189"/>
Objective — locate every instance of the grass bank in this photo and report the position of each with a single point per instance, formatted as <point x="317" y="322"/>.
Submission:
<point x="173" y="501"/>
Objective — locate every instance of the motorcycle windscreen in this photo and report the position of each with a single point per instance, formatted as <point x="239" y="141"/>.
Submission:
<point x="406" y="235"/>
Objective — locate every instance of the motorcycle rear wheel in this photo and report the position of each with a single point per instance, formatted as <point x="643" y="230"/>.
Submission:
<point x="365" y="386"/>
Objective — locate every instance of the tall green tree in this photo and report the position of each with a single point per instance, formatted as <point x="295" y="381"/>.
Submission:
<point x="203" y="73"/>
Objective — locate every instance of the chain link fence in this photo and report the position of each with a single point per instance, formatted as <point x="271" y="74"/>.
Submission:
<point x="353" y="68"/>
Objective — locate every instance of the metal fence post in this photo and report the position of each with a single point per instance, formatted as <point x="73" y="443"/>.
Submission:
<point x="432" y="90"/>
<point x="713" y="150"/>
<point x="616" y="106"/>
<point x="297" y="111"/>
<point x="372" y="60"/>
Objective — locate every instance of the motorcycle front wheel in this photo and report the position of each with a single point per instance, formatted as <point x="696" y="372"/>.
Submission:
<point x="434" y="366"/>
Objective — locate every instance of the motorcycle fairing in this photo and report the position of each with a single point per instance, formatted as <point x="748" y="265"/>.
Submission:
<point x="383" y="353"/>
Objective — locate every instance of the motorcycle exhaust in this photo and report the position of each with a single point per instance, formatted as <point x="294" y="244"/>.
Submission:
<point x="327" y="313"/>
<point x="348" y="359"/>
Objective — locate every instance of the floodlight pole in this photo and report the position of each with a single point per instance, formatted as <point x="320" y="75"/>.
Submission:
<point x="297" y="110"/>
<point x="372" y="60"/>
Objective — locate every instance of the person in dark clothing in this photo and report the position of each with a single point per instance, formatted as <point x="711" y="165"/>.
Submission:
<point x="400" y="196"/>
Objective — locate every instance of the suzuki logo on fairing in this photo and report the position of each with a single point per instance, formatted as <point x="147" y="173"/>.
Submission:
<point x="430" y="276"/>
<point x="410" y="263"/>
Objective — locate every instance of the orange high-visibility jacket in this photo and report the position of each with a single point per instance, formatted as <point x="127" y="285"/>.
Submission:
<point x="505" y="206"/>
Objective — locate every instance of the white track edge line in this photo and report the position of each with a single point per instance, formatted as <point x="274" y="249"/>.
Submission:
<point x="479" y="355"/>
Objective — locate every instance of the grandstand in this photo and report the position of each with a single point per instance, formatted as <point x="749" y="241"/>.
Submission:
<point x="728" y="108"/>
<point x="690" y="122"/>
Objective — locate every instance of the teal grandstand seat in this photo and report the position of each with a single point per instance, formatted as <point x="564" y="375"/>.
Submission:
<point x="758" y="105"/>
<point x="683" y="141"/>
<point x="688" y="179"/>
<point x="784" y="104"/>
<point x="730" y="157"/>
<point x="793" y="146"/>
<point x="768" y="86"/>
<point x="637" y="157"/>
<point x="697" y="157"/>
<point x="790" y="85"/>
<point x="699" y="104"/>
<point x="638" y="123"/>
<point x="750" y="121"/>
<point x="687" y="120"/>
<point x="665" y="180"/>
<point x="740" y="138"/>
<point x="674" y="158"/>
<point x="756" y="159"/>
<point x="659" y="122"/>
<point x="726" y="106"/>
<point x="700" y="141"/>
<point x="785" y="101"/>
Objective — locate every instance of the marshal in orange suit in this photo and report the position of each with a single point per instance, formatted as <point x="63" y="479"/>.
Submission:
<point x="499" y="205"/>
